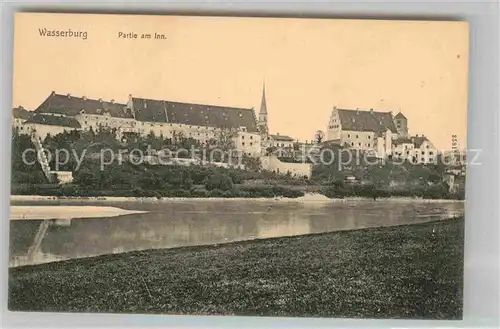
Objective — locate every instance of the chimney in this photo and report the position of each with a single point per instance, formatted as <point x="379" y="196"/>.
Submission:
<point x="53" y="92"/>
<point x="100" y="100"/>
<point x="371" y="110"/>
<point x="84" y="98"/>
<point x="416" y="135"/>
<point x="21" y="107"/>
<point x="357" y="110"/>
<point x="112" y="101"/>
<point x="69" y="95"/>
<point x="277" y="134"/>
<point x="130" y="97"/>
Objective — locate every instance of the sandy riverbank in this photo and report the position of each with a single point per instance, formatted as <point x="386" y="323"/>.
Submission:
<point x="66" y="212"/>
<point x="312" y="197"/>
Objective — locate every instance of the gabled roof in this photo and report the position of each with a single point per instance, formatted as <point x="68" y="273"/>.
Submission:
<point x="357" y="120"/>
<point x="21" y="113"/>
<point x="71" y="106"/>
<point x="419" y="140"/>
<point x="283" y="138"/>
<point x="400" y="116"/>
<point x="151" y="110"/>
<point x="402" y="140"/>
<point x="54" y="120"/>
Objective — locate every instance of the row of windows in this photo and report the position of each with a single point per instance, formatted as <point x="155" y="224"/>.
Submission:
<point x="171" y="125"/>
<point x="357" y="136"/>
<point x="359" y="144"/>
<point x="431" y="159"/>
<point x="280" y="145"/>
<point x="423" y="153"/>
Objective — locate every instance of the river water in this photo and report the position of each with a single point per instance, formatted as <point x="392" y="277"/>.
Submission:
<point x="169" y="223"/>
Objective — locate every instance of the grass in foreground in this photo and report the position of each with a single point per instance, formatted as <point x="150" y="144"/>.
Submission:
<point x="413" y="271"/>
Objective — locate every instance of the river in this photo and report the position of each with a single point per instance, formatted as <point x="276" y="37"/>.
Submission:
<point x="176" y="223"/>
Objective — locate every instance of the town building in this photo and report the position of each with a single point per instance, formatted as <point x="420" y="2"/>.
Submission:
<point x="19" y="116"/>
<point x="50" y="124"/>
<point x="417" y="149"/>
<point x="280" y="141"/>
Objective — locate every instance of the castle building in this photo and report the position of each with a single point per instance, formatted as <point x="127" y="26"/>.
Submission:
<point x="200" y="122"/>
<point x="379" y="133"/>
<point x="370" y="130"/>
<point x="59" y="113"/>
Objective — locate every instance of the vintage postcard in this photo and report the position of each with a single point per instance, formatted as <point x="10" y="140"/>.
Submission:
<point x="238" y="166"/>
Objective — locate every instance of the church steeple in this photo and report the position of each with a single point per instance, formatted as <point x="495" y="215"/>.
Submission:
<point x="263" y="105"/>
<point x="263" y="111"/>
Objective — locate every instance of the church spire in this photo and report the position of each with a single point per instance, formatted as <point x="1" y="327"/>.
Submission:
<point x="263" y="105"/>
<point x="263" y="112"/>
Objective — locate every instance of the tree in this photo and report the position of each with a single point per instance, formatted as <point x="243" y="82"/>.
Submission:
<point x="219" y="181"/>
<point x="270" y="150"/>
<point x="225" y="139"/>
<point x="319" y="136"/>
<point x="86" y="178"/>
<point x="177" y="137"/>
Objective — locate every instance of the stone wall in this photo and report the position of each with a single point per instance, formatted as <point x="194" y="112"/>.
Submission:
<point x="272" y="163"/>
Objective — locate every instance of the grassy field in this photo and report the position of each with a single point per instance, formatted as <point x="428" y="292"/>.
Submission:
<point x="413" y="271"/>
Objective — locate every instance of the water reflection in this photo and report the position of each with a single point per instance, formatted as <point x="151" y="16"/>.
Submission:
<point x="185" y="223"/>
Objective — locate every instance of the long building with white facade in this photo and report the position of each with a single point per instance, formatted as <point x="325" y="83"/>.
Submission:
<point x="59" y="113"/>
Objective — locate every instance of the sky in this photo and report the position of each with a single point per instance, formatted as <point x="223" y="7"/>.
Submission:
<point x="308" y="65"/>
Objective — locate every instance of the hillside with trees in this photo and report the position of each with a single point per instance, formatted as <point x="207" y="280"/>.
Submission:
<point x="362" y="176"/>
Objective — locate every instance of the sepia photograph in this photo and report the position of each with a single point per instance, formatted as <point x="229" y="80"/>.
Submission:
<point x="249" y="166"/>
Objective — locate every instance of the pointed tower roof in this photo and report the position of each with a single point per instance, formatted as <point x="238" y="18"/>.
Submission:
<point x="400" y="116"/>
<point x="263" y="105"/>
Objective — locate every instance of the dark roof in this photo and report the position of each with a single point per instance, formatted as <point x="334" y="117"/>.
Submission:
<point x="282" y="138"/>
<point x="54" y="120"/>
<point x="149" y="110"/>
<point x="71" y="106"/>
<point x="194" y="114"/>
<point x="400" y="116"/>
<point x="358" y="120"/>
<point x="402" y="140"/>
<point x="21" y="113"/>
<point x="418" y="140"/>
